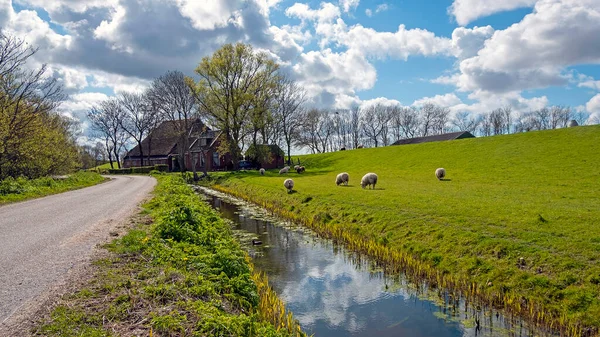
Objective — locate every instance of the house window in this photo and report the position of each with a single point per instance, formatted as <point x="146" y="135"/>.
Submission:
<point x="216" y="159"/>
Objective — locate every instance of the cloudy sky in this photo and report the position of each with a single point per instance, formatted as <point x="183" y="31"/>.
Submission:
<point x="469" y="55"/>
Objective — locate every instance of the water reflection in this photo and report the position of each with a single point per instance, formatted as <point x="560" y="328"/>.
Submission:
<point x="335" y="293"/>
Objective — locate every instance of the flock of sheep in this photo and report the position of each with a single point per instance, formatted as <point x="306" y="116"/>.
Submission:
<point x="369" y="179"/>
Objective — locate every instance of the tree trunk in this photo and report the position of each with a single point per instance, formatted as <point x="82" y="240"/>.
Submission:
<point x="141" y="154"/>
<point x="116" y="153"/>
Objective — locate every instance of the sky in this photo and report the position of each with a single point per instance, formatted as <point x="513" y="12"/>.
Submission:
<point x="467" y="55"/>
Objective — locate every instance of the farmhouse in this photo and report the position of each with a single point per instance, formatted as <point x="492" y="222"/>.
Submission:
<point x="267" y="157"/>
<point x="161" y="148"/>
<point x="436" y="138"/>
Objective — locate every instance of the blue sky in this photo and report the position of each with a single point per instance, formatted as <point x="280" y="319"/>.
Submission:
<point x="468" y="55"/>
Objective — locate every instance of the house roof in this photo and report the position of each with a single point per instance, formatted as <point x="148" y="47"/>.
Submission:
<point x="273" y="148"/>
<point x="162" y="141"/>
<point x="435" y="138"/>
<point x="211" y="135"/>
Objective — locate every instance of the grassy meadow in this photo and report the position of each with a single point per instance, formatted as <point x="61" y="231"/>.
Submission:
<point x="13" y="190"/>
<point x="516" y="221"/>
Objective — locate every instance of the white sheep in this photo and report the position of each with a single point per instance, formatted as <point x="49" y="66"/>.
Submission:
<point x="368" y="179"/>
<point x="342" y="178"/>
<point x="296" y="167"/>
<point x="289" y="184"/>
<point x="440" y="173"/>
<point x="262" y="171"/>
<point x="284" y="170"/>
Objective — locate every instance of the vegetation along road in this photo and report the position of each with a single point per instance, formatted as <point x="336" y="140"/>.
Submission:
<point x="42" y="239"/>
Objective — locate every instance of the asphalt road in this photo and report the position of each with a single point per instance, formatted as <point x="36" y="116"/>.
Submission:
<point x="42" y="239"/>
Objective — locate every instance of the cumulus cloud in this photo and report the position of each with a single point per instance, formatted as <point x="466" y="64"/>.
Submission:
<point x="593" y="105"/>
<point x="325" y="74"/>
<point x="532" y="53"/>
<point x="465" y="11"/>
<point x="468" y="41"/>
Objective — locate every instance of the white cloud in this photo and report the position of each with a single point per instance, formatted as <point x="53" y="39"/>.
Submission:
<point x="590" y="83"/>
<point x="327" y="13"/>
<point x="447" y="100"/>
<point x="335" y="72"/>
<point x="466" y="11"/>
<point x="379" y="100"/>
<point x="348" y="5"/>
<point x="209" y="14"/>
<point x="468" y="41"/>
<point x="381" y="8"/>
<point x="593" y="105"/>
<point x="534" y="52"/>
<point x="369" y="12"/>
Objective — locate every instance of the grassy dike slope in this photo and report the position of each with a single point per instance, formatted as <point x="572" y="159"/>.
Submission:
<point x="534" y="195"/>
<point x="181" y="275"/>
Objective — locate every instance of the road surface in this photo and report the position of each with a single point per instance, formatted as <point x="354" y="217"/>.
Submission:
<point x="42" y="239"/>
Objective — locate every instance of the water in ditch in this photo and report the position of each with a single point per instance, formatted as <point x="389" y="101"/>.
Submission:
<point x="333" y="292"/>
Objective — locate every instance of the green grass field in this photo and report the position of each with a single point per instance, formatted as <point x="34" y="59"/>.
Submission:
<point x="534" y="195"/>
<point x="13" y="190"/>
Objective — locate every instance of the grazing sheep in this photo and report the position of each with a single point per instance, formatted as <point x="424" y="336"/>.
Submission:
<point x="300" y="169"/>
<point x="289" y="184"/>
<point x="262" y="171"/>
<point x="343" y="149"/>
<point x="440" y="173"/>
<point x="296" y="167"/>
<point x="360" y="146"/>
<point x="342" y="178"/>
<point x="284" y="170"/>
<point x="369" y="179"/>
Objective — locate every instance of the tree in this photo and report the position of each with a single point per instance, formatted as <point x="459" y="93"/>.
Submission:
<point x="405" y="123"/>
<point x="428" y="114"/>
<point x="138" y="118"/>
<point x="355" y="126"/>
<point x="464" y="121"/>
<point x="288" y="111"/>
<point x="559" y="116"/>
<point x="107" y="120"/>
<point x="375" y="120"/>
<point x="171" y="98"/>
<point x="234" y="84"/>
<point x="28" y="99"/>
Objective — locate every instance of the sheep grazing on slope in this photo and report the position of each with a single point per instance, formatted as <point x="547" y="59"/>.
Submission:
<point x="284" y="170"/>
<point x="262" y="171"/>
<point x="342" y="178"/>
<point x="360" y="146"/>
<point x="289" y="184"/>
<point x="440" y="173"/>
<point x="368" y="179"/>
<point x="296" y="167"/>
<point x="300" y="169"/>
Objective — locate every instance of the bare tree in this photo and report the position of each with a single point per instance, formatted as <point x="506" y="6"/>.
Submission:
<point x="427" y="116"/>
<point x="355" y="126"/>
<point x="464" y="121"/>
<point x="375" y="122"/>
<point x="173" y="98"/>
<point x="138" y="118"/>
<point x="559" y="116"/>
<point x="581" y="117"/>
<point x="288" y="112"/>
<point x="107" y="120"/>
<point x="440" y="120"/>
<point x="316" y="131"/>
